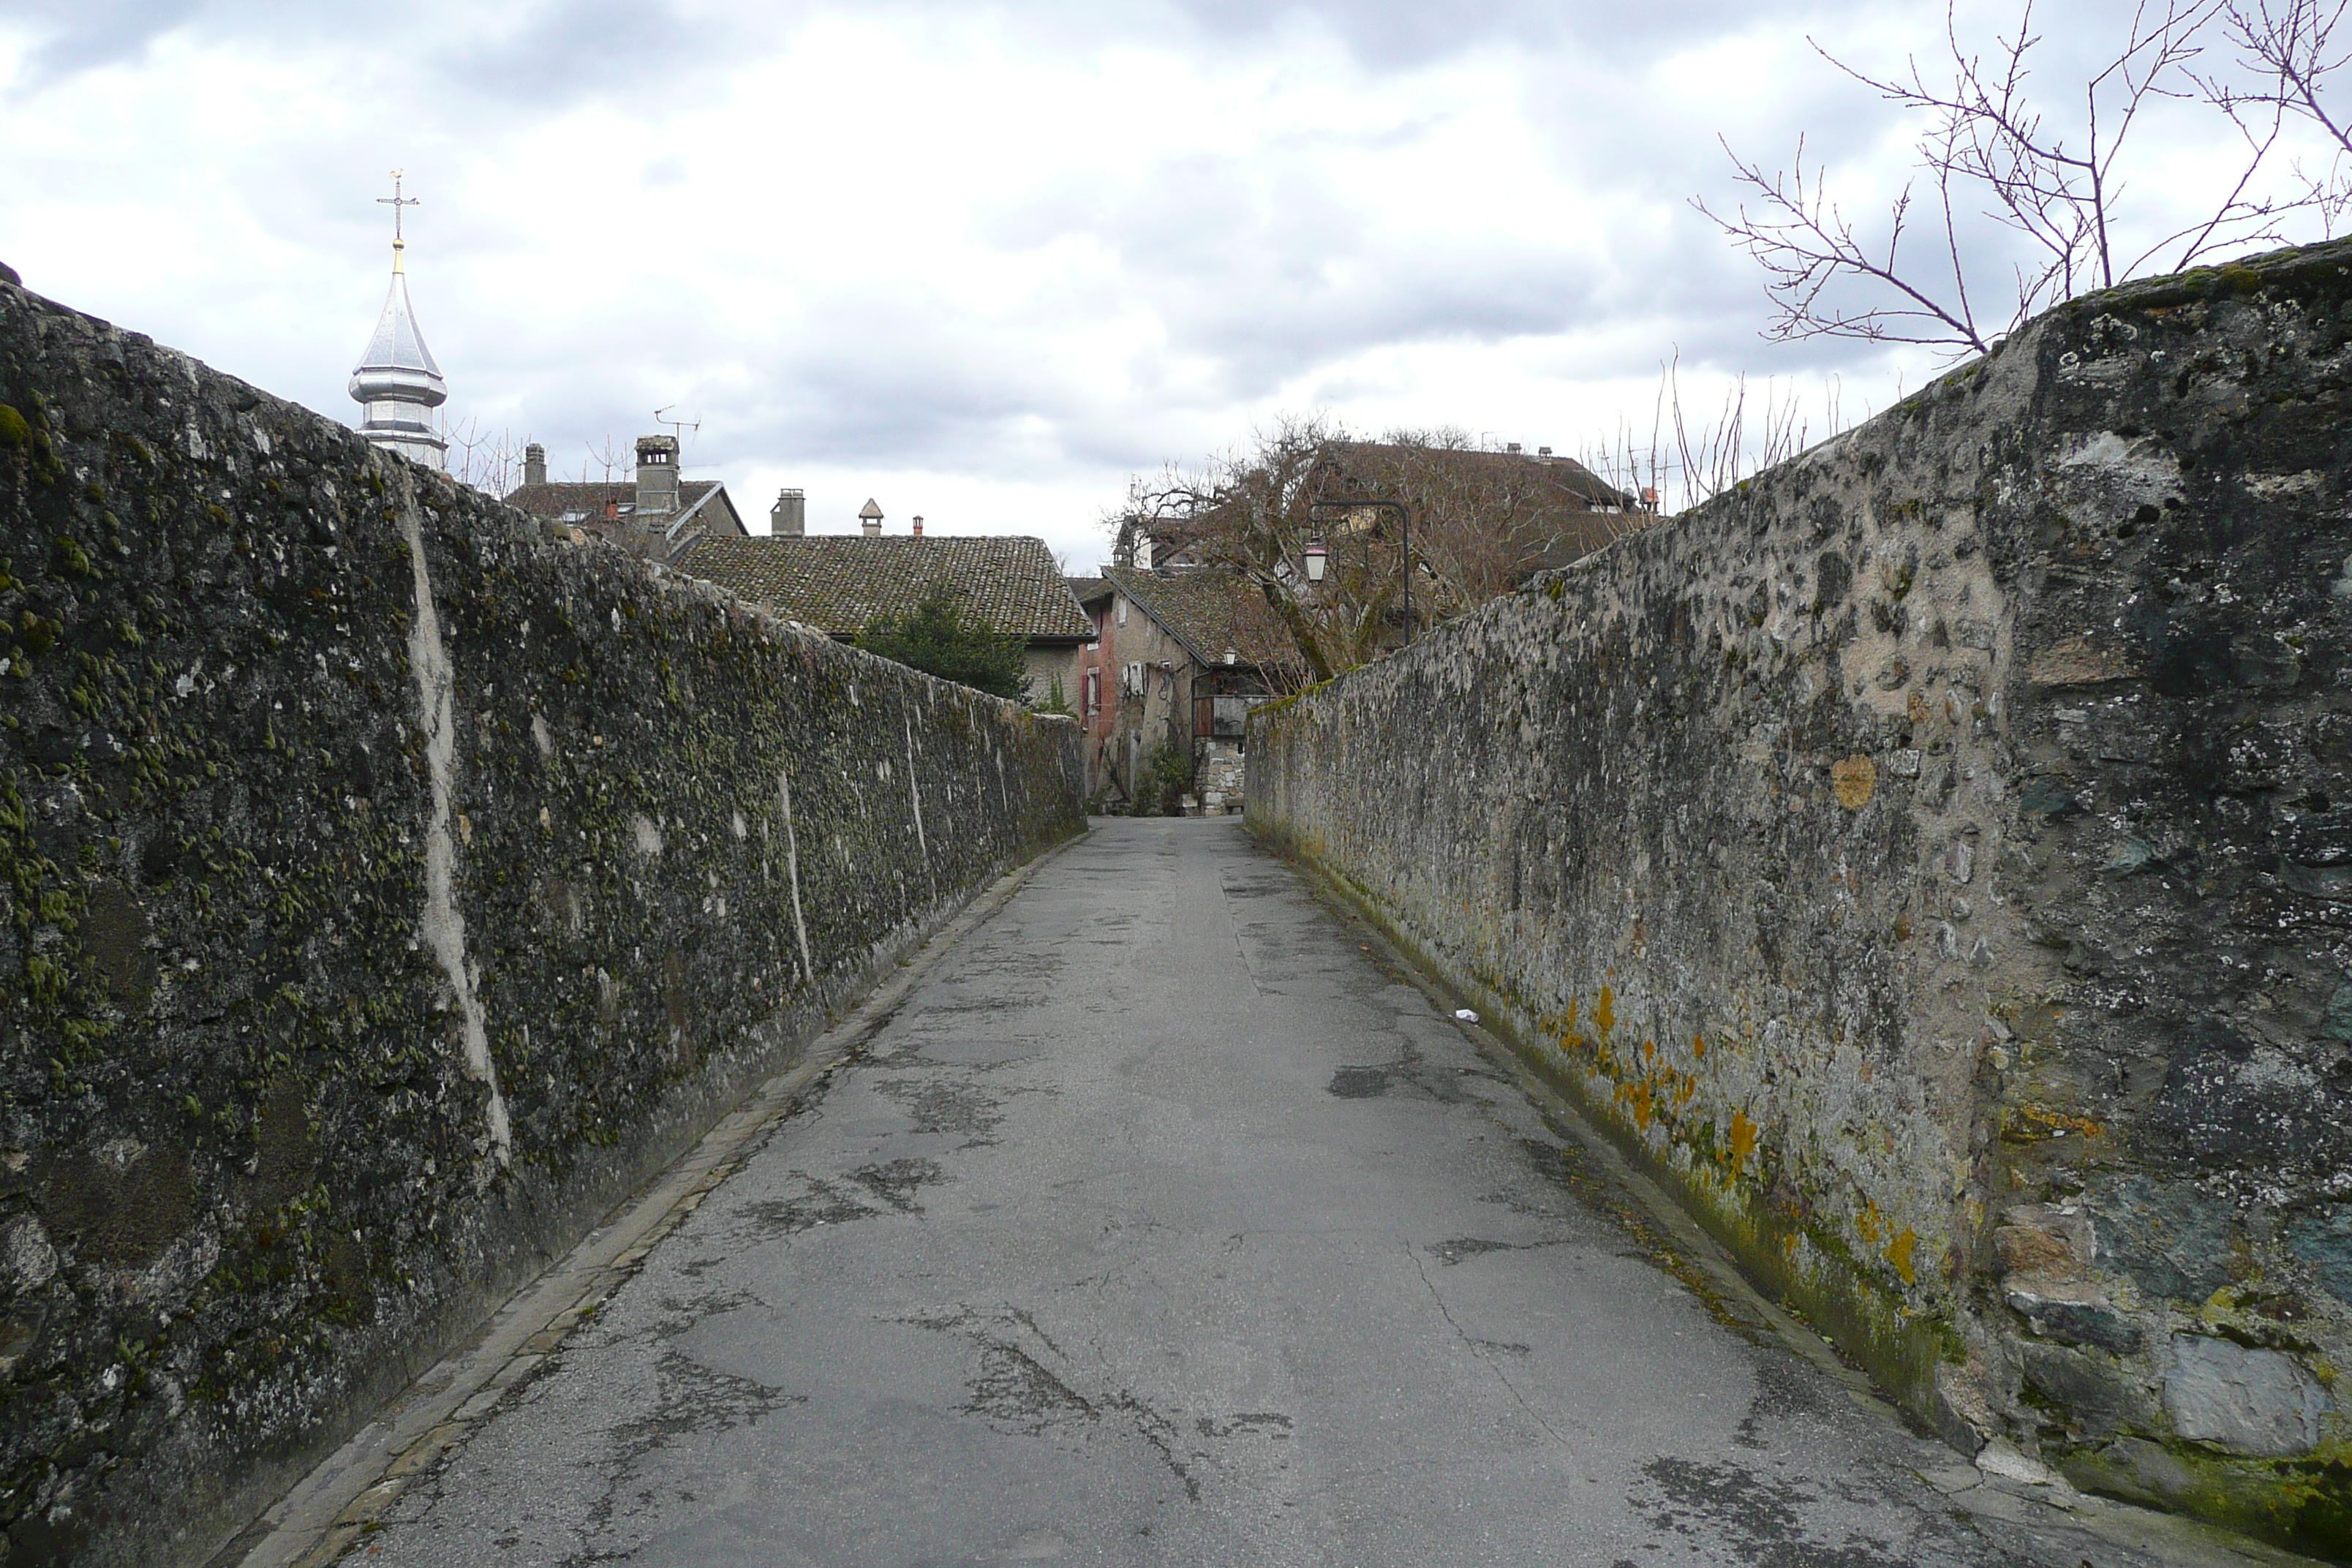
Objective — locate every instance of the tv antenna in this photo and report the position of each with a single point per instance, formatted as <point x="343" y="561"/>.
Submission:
<point x="678" y="427"/>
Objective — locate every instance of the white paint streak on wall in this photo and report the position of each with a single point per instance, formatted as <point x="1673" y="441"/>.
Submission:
<point x="915" y="794"/>
<point x="442" y="928"/>
<point x="793" y="874"/>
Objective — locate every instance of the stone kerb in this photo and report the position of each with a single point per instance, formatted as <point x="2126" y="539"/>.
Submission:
<point x="1928" y="858"/>
<point x="391" y="889"/>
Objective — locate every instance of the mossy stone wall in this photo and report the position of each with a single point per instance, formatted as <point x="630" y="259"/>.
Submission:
<point x="1935" y="858"/>
<point x="387" y="888"/>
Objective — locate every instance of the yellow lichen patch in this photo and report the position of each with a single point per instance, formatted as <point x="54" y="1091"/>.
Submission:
<point x="1698" y="1047"/>
<point x="1648" y="1049"/>
<point x="1899" y="1253"/>
<point x="1642" y="1111"/>
<point x="1604" y="1012"/>
<point x="2032" y="1120"/>
<point x="1853" y="779"/>
<point x="1743" y="1141"/>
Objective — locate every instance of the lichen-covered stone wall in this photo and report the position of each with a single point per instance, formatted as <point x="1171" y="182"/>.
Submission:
<point x="1935" y="858"/>
<point x="386" y="888"/>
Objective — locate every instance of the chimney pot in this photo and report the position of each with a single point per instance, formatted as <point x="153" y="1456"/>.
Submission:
<point x="656" y="477"/>
<point x="1510" y="446"/>
<point x="919" y="525"/>
<point x="870" y="515"/>
<point x="788" y="518"/>
<point x="534" y="464"/>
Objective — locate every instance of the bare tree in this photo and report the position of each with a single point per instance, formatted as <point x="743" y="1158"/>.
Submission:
<point x="1482" y="522"/>
<point x="1988" y="153"/>
<point x="490" y="461"/>
<point x="2286" y="47"/>
<point x="1251" y="513"/>
<point x="611" y="456"/>
<point x="1686" y="460"/>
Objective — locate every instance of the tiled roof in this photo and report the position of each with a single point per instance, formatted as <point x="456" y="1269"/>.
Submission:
<point x="839" y="581"/>
<point x="1086" y="590"/>
<point x="570" y="503"/>
<point x="1210" y="611"/>
<point x="1557" y="481"/>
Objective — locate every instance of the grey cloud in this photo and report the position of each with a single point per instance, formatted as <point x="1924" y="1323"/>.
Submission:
<point x="535" y="53"/>
<point x="561" y="53"/>
<point x="80" y="34"/>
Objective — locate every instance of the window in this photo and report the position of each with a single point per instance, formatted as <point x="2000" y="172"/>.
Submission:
<point x="1094" y="692"/>
<point x="1119" y="610"/>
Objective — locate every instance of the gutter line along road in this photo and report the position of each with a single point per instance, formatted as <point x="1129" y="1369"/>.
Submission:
<point x="1166" y="1221"/>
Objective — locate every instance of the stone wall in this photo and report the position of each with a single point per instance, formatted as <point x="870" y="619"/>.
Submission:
<point x="390" y="888"/>
<point x="1935" y="859"/>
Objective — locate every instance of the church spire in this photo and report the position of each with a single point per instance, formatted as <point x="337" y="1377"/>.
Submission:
<point x="396" y="380"/>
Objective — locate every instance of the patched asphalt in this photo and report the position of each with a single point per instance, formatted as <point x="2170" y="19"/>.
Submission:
<point x="1166" y="1223"/>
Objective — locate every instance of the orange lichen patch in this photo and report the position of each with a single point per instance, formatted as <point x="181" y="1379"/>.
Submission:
<point x="1743" y="1141"/>
<point x="1688" y="1088"/>
<point x="1641" y="1109"/>
<point x="1648" y="1049"/>
<point x="1899" y="1253"/>
<point x="2031" y="1120"/>
<point x="1604" y="1012"/>
<point x="1788" y="1243"/>
<point x="1868" y="1222"/>
<point x="1853" y="779"/>
<point x="1698" y="1047"/>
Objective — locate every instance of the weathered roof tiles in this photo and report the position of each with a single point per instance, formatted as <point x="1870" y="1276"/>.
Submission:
<point x="838" y="583"/>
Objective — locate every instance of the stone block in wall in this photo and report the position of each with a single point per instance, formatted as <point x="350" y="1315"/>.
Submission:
<point x="2248" y="1401"/>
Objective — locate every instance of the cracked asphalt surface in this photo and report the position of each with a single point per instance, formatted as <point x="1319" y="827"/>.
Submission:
<point x="1163" y="1224"/>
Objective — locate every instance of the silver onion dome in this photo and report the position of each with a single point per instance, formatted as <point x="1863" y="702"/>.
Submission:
<point x="396" y="380"/>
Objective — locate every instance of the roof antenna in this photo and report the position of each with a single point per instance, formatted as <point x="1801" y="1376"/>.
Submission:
<point x="678" y="427"/>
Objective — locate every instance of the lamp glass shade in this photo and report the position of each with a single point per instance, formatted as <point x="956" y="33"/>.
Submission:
<point x="1314" y="562"/>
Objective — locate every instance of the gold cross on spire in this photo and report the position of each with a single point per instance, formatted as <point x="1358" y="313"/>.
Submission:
<point x="396" y="202"/>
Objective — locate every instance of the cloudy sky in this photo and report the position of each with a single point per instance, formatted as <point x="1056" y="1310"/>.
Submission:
<point x="979" y="261"/>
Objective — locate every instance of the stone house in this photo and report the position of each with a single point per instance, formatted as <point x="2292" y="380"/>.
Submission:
<point x="1179" y="658"/>
<point x="838" y="583"/>
<point x="659" y="514"/>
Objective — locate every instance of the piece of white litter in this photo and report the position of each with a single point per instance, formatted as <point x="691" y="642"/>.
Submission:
<point x="1466" y="1014"/>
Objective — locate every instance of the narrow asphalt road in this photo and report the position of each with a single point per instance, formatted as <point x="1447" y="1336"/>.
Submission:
<point x="1164" y="1224"/>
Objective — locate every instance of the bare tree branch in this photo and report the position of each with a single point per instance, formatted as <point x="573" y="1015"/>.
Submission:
<point x="1992" y="156"/>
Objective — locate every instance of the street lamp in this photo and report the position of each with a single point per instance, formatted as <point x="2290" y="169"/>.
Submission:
<point x="1405" y="525"/>
<point x="1315" y="559"/>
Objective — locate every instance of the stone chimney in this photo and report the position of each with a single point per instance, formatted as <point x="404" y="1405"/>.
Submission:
<point x="871" y="516"/>
<point x="788" y="518"/>
<point x="919" y="525"/>
<point x="656" y="477"/>
<point x="534" y="464"/>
